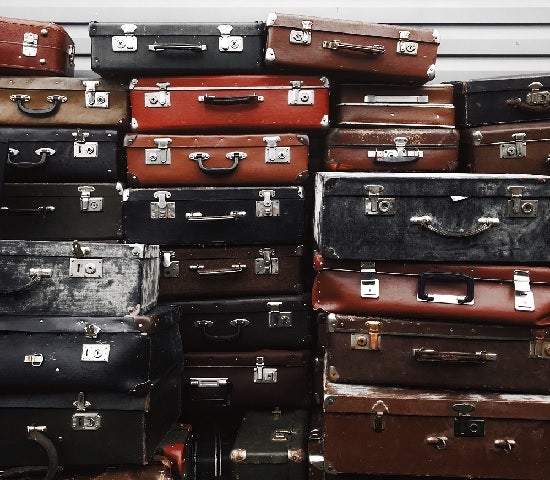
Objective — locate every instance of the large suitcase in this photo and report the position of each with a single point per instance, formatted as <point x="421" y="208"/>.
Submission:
<point x="77" y="278"/>
<point x="376" y="52"/>
<point x="392" y="150"/>
<point x="35" y="47"/>
<point x="44" y="154"/>
<point x="61" y="211"/>
<point x="246" y="323"/>
<point x="229" y="102"/>
<point x="62" y="101"/>
<point x="428" y="217"/>
<point x="214" y="215"/>
<point x="128" y="49"/>
<point x="231" y="271"/>
<point x="280" y="159"/>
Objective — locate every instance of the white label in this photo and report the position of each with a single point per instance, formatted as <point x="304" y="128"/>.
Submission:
<point x="95" y="352"/>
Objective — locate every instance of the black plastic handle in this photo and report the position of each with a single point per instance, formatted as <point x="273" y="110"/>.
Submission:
<point x="238" y="324"/>
<point x="240" y="100"/>
<point x="185" y="47"/>
<point x="445" y="277"/>
<point x="56" y="101"/>
<point x="42" y="210"/>
<point x="43" y="153"/>
<point x="217" y="170"/>
<point x="223" y="399"/>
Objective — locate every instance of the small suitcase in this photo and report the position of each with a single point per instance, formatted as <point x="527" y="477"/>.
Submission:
<point x="177" y="448"/>
<point x="45" y="154"/>
<point x="233" y="271"/>
<point x="125" y="50"/>
<point x="61" y="211"/>
<point x="77" y="278"/>
<point x="392" y="150"/>
<point x="229" y="102"/>
<point x="214" y="215"/>
<point x="61" y="101"/>
<point x="34" y="47"/>
<point x="376" y="52"/>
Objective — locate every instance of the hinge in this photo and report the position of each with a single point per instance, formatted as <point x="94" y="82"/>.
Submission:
<point x="275" y="154"/>
<point x="398" y="155"/>
<point x="536" y="97"/>
<point x="83" y="420"/>
<point x="276" y="318"/>
<point x="263" y="374"/>
<point x="30" y="44"/>
<point x="303" y="36"/>
<point x="93" y="98"/>
<point x="170" y="268"/>
<point x="369" y="340"/>
<point x="88" y="203"/>
<point x="369" y="282"/>
<point x="378" y="410"/>
<point x="515" y="149"/>
<point x="161" y="154"/>
<point x="82" y="148"/>
<point x="523" y="296"/>
<point x="162" y="208"/>
<point x="376" y="205"/>
<point x="227" y="42"/>
<point x="404" y="45"/>
<point x="128" y="41"/>
<point x="299" y="96"/>
<point x="267" y="207"/>
<point x="91" y="330"/>
<point x="518" y="207"/>
<point x="266" y="264"/>
<point x="160" y="99"/>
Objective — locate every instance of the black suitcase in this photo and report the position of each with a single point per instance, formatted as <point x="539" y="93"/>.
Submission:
<point x="128" y="50"/>
<point x="214" y="215"/>
<point x="60" y="154"/>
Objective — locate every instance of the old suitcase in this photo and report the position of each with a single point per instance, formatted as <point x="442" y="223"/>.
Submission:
<point x="44" y="154"/>
<point x="128" y="49"/>
<point x="62" y="101"/>
<point x="214" y="215"/>
<point x="453" y="217"/>
<point x="3" y="159"/>
<point x="77" y="278"/>
<point x="216" y="160"/>
<point x="365" y="105"/>
<point x="246" y="323"/>
<point x="231" y="271"/>
<point x="385" y="430"/>
<point x="229" y="102"/>
<point x="259" y="379"/>
<point x="392" y="150"/>
<point x="34" y="47"/>
<point x="177" y="448"/>
<point x="271" y="445"/>
<point x="520" y="98"/>
<point x="159" y="468"/>
<point x="61" y="211"/>
<point x="378" y="52"/>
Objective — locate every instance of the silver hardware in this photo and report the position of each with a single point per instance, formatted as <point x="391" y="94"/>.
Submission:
<point x="228" y="43"/>
<point x="161" y="154"/>
<point x="540" y="346"/>
<point x="400" y="153"/>
<point x="162" y="208"/>
<point x="81" y="404"/>
<point x="369" y="340"/>
<point x="236" y="155"/>
<point x="515" y="149"/>
<point x="36" y="428"/>
<point x="208" y="382"/>
<point x="71" y="53"/>
<point x="128" y="41"/>
<point x="263" y="374"/>
<point x="536" y="97"/>
<point x="160" y="99"/>
<point x="518" y="207"/>
<point x="199" y="217"/>
<point x="404" y="45"/>
<point x="324" y="121"/>
<point x="266" y="264"/>
<point x="438" y="442"/>
<point x="86" y="421"/>
<point x="79" y="251"/>
<point x="378" y="410"/>
<point x="369" y="283"/>
<point x="55" y="98"/>
<point x="88" y="203"/>
<point x="416" y="99"/>
<point x="85" y="268"/>
<point x="40" y="272"/>
<point x="477" y="137"/>
<point x="35" y="359"/>
<point x="91" y="330"/>
<point x="299" y="96"/>
<point x="170" y="268"/>
<point x="523" y="296"/>
<point x="19" y="96"/>
<point x="30" y="44"/>
<point x="276" y="318"/>
<point x="269" y="55"/>
<point x="302" y="37"/>
<point x="376" y="205"/>
<point x="464" y="424"/>
<point x="267" y="207"/>
<point x="430" y="73"/>
<point x="505" y="444"/>
<point x="275" y="154"/>
<point x="199" y="156"/>
<point x="82" y="148"/>
<point x="98" y="352"/>
<point x="93" y="98"/>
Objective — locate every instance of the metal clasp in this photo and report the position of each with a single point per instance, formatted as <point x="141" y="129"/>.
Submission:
<point x="369" y="340"/>
<point x="267" y="207"/>
<point x="375" y="205"/>
<point x="369" y="282"/>
<point x="170" y="268"/>
<point x="161" y="154"/>
<point x="228" y="43"/>
<point x="515" y="149"/>
<point x="88" y="203"/>
<point x="519" y="208"/>
<point x="404" y="45"/>
<point x="299" y="96"/>
<point x="275" y="154"/>
<point x="82" y="148"/>
<point x="83" y="420"/>
<point x="94" y="99"/>
<point x="35" y="359"/>
<point x="536" y="97"/>
<point x="30" y="44"/>
<point x="378" y="410"/>
<point x="276" y="318"/>
<point x="303" y="36"/>
<point x="128" y="41"/>
<point x="524" y="300"/>
<point x="539" y="347"/>
<point x="91" y="330"/>
<point x="263" y="374"/>
<point x="466" y="426"/>
<point x="160" y="99"/>
<point x="266" y="264"/>
<point x="162" y="208"/>
<point x="399" y="154"/>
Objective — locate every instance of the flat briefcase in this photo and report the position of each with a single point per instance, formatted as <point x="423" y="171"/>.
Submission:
<point x="77" y="278"/>
<point x="35" y="47"/>
<point x="376" y="52"/>
<point x="452" y="217"/>
<point x="217" y="160"/>
<point x="125" y="50"/>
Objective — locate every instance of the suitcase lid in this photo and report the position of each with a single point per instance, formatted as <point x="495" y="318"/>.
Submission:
<point x="52" y="135"/>
<point x="44" y="190"/>
<point x="501" y="84"/>
<point x="506" y="134"/>
<point x="13" y="83"/>
<point x="288" y="358"/>
<point x="392" y="137"/>
<point x="230" y="252"/>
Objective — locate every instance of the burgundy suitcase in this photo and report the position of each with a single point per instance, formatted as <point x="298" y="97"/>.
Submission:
<point x="34" y="47"/>
<point x="236" y="102"/>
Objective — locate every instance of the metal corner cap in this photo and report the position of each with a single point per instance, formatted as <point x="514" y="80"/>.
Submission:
<point x="134" y="124"/>
<point x="133" y="83"/>
<point x="271" y="19"/>
<point x="269" y="55"/>
<point x="125" y="194"/>
<point x="237" y="455"/>
<point x="325" y="81"/>
<point x="296" y="455"/>
<point x="431" y="72"/>
<point x="436" y="36"/>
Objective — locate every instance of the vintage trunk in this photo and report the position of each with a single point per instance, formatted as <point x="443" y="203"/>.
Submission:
<point x="77" y="278"/>
<point x="395" y="431"/>
<point x="364" y="105"/>
<point x="177" y="448"/>
<point x="229" y="102"/>
<point x="246" y="323"/>
<point x="217" y="160"/>
<point x="271" y="446"/>
<point x="376" y="52"/>
<point x="61" y="101"/>
<point x="31" y="47"/>
<point x="45" y="154"/>
<point x="494" y="218"/>
<point x="61" y="211"/>
<point x="392" y="150"/>
<point x="214" y="215"/>
<point x="125" y="50"/>
<point x="210" y="272"/>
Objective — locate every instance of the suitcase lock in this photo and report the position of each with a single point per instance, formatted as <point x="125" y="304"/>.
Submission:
<point x="267" y="207"/>
<point x="88" y="203"/>
<point x="263" y="374"/>
<point x="303" y="36"/>
<point x="30" y="44"/>
<point x="536" y="97"/>
<point x="94" y="99"/>
<point x="228" y="43"/>
<point x="162" y="208"/>
<point x="82" y="148"/>
<point x="161" y="154"/>
<point x="83" y="420"/>
<point x="266" y="264"/>
<point x="158" y="99"/>
<point x="276" y="318"/>
<point x="378" y="410"/>
<point x="518" y="207"/>
<point x="275" y="154"/>
<point x="524" y="299"/>
<point x="404" y="45"/>
<point x="376" y="205"/>
<point x="466" y="426"/>
<point x="515" y="149"/>
<point x="126" y="42"/>
<point x="299" y="96"/>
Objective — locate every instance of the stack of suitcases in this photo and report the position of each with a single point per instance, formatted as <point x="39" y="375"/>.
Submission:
<point x="159" y="316"/>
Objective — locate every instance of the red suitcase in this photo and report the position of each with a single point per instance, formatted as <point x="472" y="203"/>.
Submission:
<point x="252" y="102"/>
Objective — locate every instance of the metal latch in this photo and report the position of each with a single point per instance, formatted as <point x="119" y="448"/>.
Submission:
<point x="517" y="207"/>
<point x="369" y="283"/>
<point x="94" y="99"/>
<point x="303" y="36"/>
<point x="170" y="268"/>
<point x="263" y="374"/>
<point x="159" y="155"/>
<point x="30" y="44"/>
<point x="35" y="359"/>
<point x="515" y="149"/>
<point x="404" y="45"/>
<point x="276" y="318"/>
<point x="158" y="99"/>
<point x="88" y="203"/>
<point x="376" y="205"/>
<point x="83" y="420"/>
<point x="162" y="208"/>
<point x="85" y="268"/>
<point x="378" y="410"/>
<point x="266" y="264"/>
<point x="267" y="207"/>
<point x="524" y="299"/>
<point x="398" y="155"/>
<point x="82" y="148"/>
<point x="369" y="340"/>
<point x="128" y="41"/>
<point x="466" y="426"/>
<point x="536" y="97"/>
<point x="96" y="352"/>
<point x="275" y="154"/>
<point x="91" y="330"/>
<point x="540" y="346"/>
<point x="228" y="43"/>
<point x="299" y="96"/>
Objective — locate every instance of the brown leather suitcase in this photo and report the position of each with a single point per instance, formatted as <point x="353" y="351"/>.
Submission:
<point x="378" y="52"/>
<point x="273" y="159"/>
<point x="392" y="149"/>
<point x="34" y="47"/>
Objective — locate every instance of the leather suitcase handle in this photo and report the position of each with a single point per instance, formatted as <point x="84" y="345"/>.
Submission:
<point x="370" y="49"/>
<point x="186" y="47"/>
<point x="238" y="100"/>
<point x="199" y="217"/>
<point x="427" y="221"/>
<point x="446" y="277"/>
<point x="35" y="274"/>
<point x="55" y="100"/>
<point x="200" y="270"/>
<point x="429" y="355"/>
<point x="42" y="210"/>
<point x="526" y="107"/>
<point x="213" y="383"/>
<point x="43" y="153"/>
<point x="201" y="157"/>
<point x="237" y="323"/>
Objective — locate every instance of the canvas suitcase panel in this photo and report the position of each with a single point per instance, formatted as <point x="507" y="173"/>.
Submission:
<point x="48" y="101"/>
<point x="392" y="150"/>
<point x="77" y="278"/>
<point x="60" y="155"/>
<point x="214" y="215"/>
<point x="363" y="105"/>
<point x="217" y="160"/>
<point x="452" y="217"/>
<point x="61" y="211"/>
<point x="377" y="52"/>
<point x="31" y="47"/>
<point x="229" y="102"/>
<point x="231" y="271"/>
<point x="125" y="50"/>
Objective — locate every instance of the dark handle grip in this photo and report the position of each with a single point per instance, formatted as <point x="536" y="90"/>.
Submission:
<point x="240" y="100"/>
<point x="224" y="399"/>
<point x="35" y="276"/>
<point x="397" y="159"/>
<point x="186" y="47"/>
<point x="56" y="101"/>
<point x="526" y="107"/>
<point x="446" y="277"/>
<point x="41" y="152"/>
<point x="42" y="210"/>
<point x="217" y="170"/>
<point x="429" y="355"/>
<point x="238" y="324"/>
<point x="370" y="49"/>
